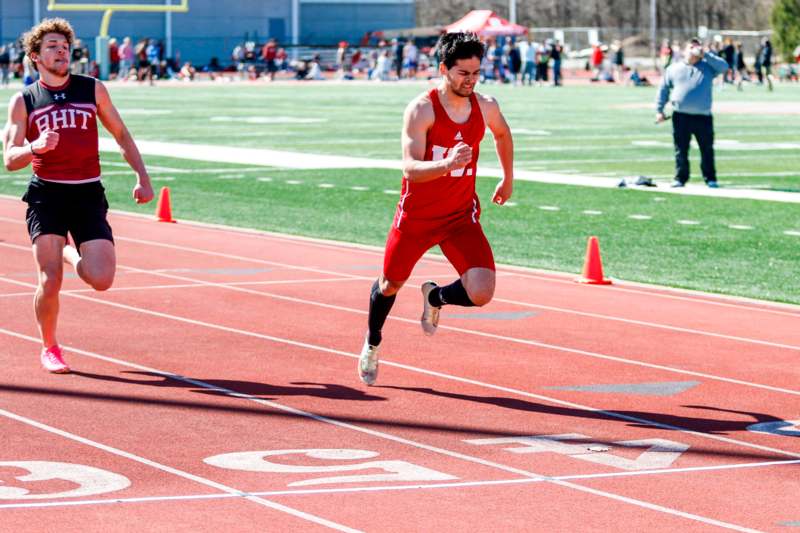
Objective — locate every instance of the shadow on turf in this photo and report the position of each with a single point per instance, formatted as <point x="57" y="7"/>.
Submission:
<point x="262" y="391"/>
<point x="638" y="419"/>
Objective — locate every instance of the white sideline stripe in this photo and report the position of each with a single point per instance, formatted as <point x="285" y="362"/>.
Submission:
<point x="389" y="488"/>
<point x="175" y="471"/>
<point x="763" y="306"/>
<point x="388" y="436"/>
<point x="451" y="328"/>
<point x="301" y="160"/>
<point x="451" y="377"/>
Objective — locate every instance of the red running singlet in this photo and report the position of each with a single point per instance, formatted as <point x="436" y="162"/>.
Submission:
<point x="450" y="199"/>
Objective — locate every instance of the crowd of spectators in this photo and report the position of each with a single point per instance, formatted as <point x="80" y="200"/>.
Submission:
<point x="511" y="60"/>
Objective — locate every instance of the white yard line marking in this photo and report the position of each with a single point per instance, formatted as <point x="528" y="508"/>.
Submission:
<point x="392" y="488"/>
<point x="170" y="470"/>
<point x="416" y="444"/>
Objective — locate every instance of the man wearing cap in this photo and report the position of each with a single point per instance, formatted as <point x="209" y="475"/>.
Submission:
<point x="691" y="82"/>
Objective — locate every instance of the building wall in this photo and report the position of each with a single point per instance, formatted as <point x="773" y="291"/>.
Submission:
<point x="213" y="27"/>
<point x="327" y="22"/>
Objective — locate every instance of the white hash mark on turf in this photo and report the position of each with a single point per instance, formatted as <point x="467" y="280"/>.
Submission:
<point x="689" y="222"/>
<point x="359" y="188"/>
<point x="659" y="199"/>
<point x="739" y="226"/>
<point x="265" y="178"/>
<point x="293" y="182"/>
<point x="592" y="212"/>
<point x="549" y="208"/>
<point x="390" y="191"/>
<point x="640" y="217"/>
<point x="326" y="185"/>
<point x="793" y="233"/>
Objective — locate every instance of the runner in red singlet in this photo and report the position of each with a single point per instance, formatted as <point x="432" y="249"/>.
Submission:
<point x="442" y="132"/>
<point x="52" y="124"/>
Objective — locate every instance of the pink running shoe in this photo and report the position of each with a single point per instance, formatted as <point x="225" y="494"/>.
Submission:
<point x="53" y="360"/>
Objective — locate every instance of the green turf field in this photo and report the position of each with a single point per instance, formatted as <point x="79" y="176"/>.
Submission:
<point x="738" y="247"/>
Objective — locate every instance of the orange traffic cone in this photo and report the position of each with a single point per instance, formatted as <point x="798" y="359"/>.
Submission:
<point x="593" y="266"/>
<point x="164" y="209"/>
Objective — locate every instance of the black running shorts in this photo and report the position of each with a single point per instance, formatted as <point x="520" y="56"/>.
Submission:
<point x="57" y="208"/>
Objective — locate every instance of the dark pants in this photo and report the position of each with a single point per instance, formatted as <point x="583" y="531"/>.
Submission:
<point x="684" y="126"/>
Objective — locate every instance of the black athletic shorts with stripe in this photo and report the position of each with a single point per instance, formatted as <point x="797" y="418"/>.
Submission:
<point x="58" y="208"/>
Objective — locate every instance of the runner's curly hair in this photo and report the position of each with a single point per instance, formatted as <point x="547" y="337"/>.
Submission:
<point x="455" y="46"/>
<point x="32" y="40"/>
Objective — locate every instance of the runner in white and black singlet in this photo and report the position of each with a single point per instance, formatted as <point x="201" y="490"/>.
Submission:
<point x="52" y="125"/>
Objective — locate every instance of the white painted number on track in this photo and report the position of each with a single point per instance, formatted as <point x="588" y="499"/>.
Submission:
<point x="785" y="428"/>
<point x="398" y="470"/>
<point x="89" y="480"/>
<point x="659" y="453"/>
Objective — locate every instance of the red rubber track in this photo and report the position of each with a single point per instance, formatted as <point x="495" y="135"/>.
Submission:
<point x="216" y="341"/>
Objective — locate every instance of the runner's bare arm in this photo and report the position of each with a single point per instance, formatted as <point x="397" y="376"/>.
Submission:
<point x="503" y="144"/>
<point x="16" y="152"/>
<point x="109" y="116"/>
<point x="417" y="120"/>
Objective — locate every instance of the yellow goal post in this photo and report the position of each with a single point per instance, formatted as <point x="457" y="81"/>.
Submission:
<point x="101" y="41"/>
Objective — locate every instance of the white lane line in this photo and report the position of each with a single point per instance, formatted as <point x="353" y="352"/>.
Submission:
<point x="190" y="285"/>
<point x="392" y="488"/>
<point x="170" y="470"/>
<point x="416" y="444"/>
<point x="515" y="302"/>
<point x="697" y="297"/>
<point x="656" y="291"/>
<point x="527" y="342"/>
<point x="326" y="349"/>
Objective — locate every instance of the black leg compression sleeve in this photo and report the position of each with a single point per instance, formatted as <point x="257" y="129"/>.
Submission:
<point x="453" y="294"/>
<point x="379" y="307"/>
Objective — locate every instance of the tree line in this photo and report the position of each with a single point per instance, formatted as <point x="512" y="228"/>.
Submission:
<point x="677" y="16"/>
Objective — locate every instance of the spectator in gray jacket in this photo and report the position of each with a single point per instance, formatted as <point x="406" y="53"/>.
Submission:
<point x="690" y="82"/>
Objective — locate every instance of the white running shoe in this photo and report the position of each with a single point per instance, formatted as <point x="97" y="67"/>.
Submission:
<point x="368" y="362"/>
<point x="430" y="313"/>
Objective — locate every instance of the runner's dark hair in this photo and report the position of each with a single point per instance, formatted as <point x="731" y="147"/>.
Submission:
<point x="455" y="46"/>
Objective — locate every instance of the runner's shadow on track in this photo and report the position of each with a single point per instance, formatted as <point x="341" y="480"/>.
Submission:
<point x="638" y="419"/>
<point x="262" y="391"/>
